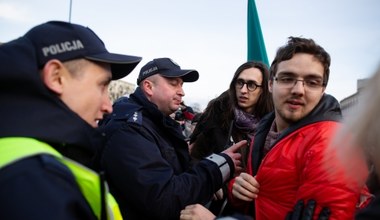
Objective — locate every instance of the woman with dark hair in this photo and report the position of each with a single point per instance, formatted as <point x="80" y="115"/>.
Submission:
<point x="233" y="115"/>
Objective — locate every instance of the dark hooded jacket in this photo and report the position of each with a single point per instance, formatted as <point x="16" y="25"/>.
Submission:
<point x="147" y="162"/>
<point x="297" y="168"/>
<point x="40" y="186"/>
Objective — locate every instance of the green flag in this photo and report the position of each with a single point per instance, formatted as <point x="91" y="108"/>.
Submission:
<point x="256" y="45"/>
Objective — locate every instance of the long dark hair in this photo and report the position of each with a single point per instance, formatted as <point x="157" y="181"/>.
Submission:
<point x="216" y="108"/>
<point x="222" y="107"/>
<point x="264" y="104"/>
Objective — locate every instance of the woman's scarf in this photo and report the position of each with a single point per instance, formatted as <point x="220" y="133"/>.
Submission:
<point x="245" y="122"/>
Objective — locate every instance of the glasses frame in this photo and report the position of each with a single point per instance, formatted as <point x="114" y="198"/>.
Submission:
<point x="295" y="81"/>
<point x="240" y="86"/>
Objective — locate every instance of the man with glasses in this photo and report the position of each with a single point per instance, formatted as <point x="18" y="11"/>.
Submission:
<point x="287" y="158"/>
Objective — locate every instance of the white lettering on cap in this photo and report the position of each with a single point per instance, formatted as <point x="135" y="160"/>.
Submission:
<point x="62" y="47"/>
<point x="149" y="70"/>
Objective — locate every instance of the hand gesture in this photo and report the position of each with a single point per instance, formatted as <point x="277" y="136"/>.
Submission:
<point x="245" y="187"/>
<point x="234" y="155"/>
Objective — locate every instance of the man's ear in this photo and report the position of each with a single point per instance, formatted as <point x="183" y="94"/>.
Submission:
<point x="147" y="87"/>
<point x="270" y="85"/>
<point x="52" y="75"/>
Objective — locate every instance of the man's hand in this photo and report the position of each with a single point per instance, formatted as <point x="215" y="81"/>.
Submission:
<point x="302" y="212"/>
<point x="236" y="157"/>
<point x="245" y="187"/>
<point x="219" y="195"/>
<point x="196" y="212"/>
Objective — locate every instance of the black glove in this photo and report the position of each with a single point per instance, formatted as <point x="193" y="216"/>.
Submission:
<point x="302" y="212"/>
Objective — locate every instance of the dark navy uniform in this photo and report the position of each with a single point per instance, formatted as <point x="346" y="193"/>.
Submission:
<point x="147" y="162"/>
<point x="40" y="187"/>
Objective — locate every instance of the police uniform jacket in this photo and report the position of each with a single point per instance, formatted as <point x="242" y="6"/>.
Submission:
<point x="147" y="163"/>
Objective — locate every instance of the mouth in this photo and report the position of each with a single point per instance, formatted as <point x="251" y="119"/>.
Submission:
<point x="177" y="102"/>
<point x="243" y="98"/>
<point x="293" y="103"/>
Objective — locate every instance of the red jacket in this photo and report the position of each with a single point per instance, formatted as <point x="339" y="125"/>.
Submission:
<point x="295" y="168"/>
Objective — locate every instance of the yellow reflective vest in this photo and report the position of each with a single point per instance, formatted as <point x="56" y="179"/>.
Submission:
<point x="13" y="149"/>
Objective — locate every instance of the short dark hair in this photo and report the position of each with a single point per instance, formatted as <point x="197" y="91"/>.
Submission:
<point x="302" y="45"/>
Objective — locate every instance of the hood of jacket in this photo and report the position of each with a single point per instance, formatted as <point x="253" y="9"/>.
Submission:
<point x="328" y="109"/>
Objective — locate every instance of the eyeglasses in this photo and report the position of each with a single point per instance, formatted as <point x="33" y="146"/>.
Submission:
<point x="251" y="85"/>
<point x="310" y="83"/>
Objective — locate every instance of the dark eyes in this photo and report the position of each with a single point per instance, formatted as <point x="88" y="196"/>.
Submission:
<point x="312" y="82"/>
<point x="251" y="85"/>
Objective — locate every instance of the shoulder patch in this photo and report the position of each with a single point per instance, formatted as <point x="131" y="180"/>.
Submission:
<point x="136" y="117"/>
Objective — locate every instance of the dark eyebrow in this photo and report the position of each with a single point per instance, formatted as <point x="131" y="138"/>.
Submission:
<point x="313" y="77"/>
<point x="248" y="81"/>
<point x="291" y="74"/>
<point x="286" y="73"/>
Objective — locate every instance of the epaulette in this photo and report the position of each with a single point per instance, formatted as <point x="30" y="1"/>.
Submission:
<point x="123" y="111"/>
<point x="136" y="117"/>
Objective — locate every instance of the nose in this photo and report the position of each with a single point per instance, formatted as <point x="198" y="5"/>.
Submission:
<point x="244" y="88"/>
<point x="181" y="92"/>
<point x="107" y="105"/>
<point x="300" y="80"/>
<point x="299" y="88"/>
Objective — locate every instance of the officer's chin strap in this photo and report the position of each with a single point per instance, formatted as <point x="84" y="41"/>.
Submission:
<point x="103" y="210"/>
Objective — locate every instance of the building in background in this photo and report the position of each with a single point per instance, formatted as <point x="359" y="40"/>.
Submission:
<point x="119" y="88"/>
<point x="349" y="104"/>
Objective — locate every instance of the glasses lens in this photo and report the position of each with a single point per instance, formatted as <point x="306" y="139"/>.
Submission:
<point x="314" y="83"/>
<point x="286" y="81"/>
<point x="311" y="83"/>
<point x="251" y="86"/>
<point x="239" y="83"/>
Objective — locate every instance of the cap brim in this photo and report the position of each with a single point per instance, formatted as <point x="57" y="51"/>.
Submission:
<point x="186" y="75"/>
<point x="121" y="65"/>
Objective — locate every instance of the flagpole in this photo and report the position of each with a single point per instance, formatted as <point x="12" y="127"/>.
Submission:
<point x="71" y="4"/>
<point x="255" y="41"/>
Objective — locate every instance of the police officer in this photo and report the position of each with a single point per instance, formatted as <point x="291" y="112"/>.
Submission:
<point x="146" y="157"/>
<point x="54" y="91"/>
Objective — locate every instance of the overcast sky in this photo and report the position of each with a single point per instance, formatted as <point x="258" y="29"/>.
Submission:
<point x="210" y="35"/>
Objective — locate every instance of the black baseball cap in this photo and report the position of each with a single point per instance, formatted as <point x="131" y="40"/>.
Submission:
<point x="67" y="41"/>
<point x="168" y="68"/>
